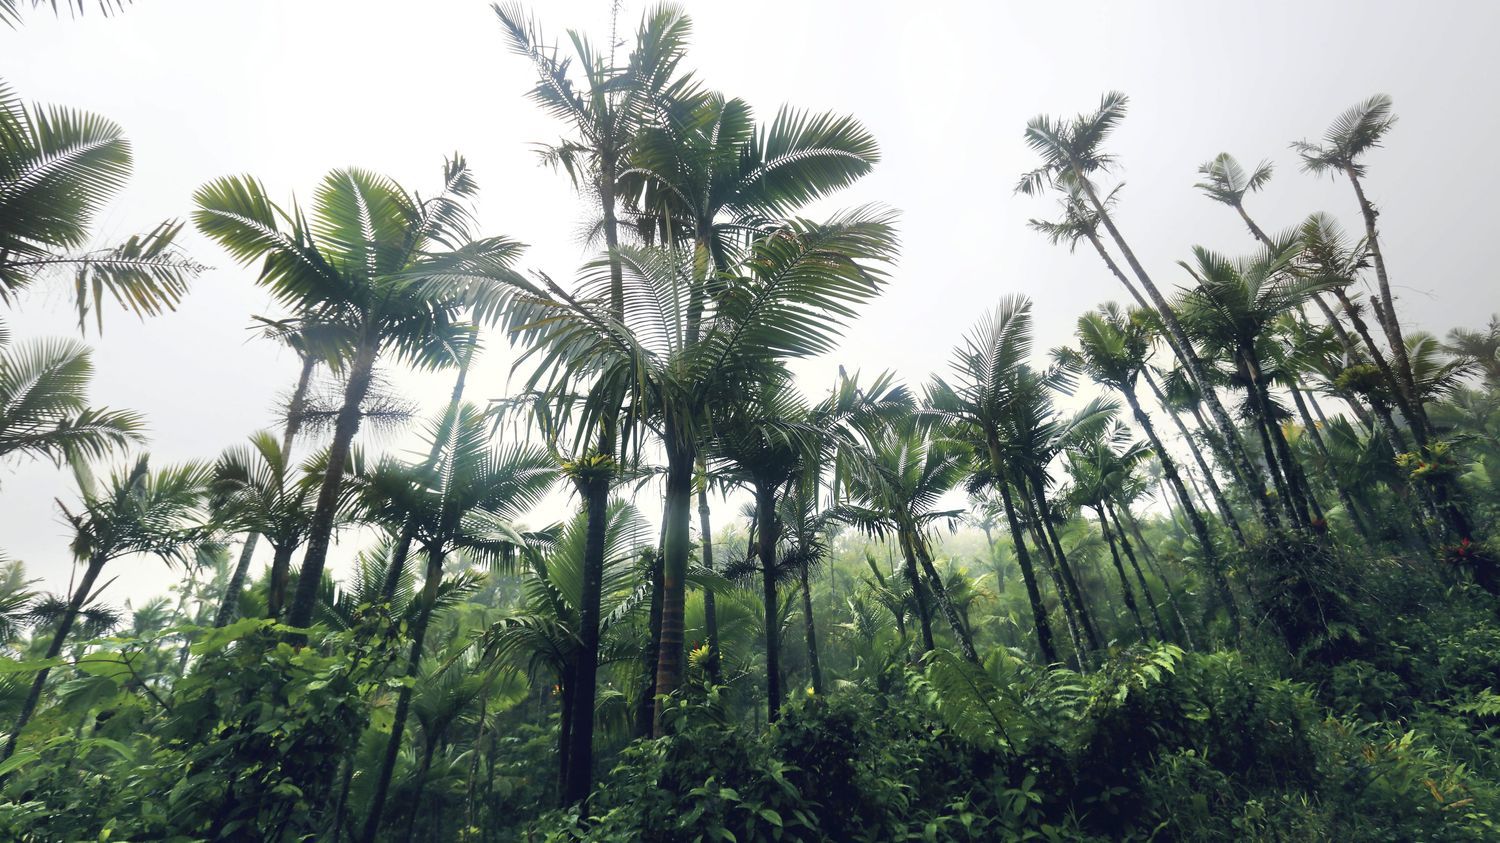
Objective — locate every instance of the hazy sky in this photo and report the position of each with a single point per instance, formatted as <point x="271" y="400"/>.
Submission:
<point x="288" y="89"/>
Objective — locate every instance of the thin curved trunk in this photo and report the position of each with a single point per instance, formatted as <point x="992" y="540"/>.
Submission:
<point x="710" y="606"/>
<point x="403" y="700"/>
<point x="1125" y="591"/>
<point x="1181" y="346"/>
<point x="281" y="575"/>
<point x="1220" y="501"/>
<point x="1135" y="529"/>
<point x="1161" y="628"/>
<point x="675" y="547"/>
<point x="1200" y="528"/>
<point x="1306" y="507"/>
<point x="1044" y="519"/>
<point x="645" y="711"/>
<point x="940" y="591"/>
<point x="295" y="406"/>
<point x="918" y="592"/>
<point x="1356" y="516"/>
<point x="1023" y="561"/>
<point x="320" y="531"/>
<point x="59" y="637"/>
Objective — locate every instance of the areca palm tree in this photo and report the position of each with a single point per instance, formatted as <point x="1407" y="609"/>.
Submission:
<point x="1357" y="131"/>
<point x="1482" y="347"/>
<point x="788" y="298"/>
<point x="44" y="408"/>
<point x="1232" y="308"/>
<point x="463" y="502"/>
<point x="385" y="271"/>
<point x="541" y="636"/>
<point x="1112" y="350"/>
<point x="58" y="168"/>
<point x="894" y="488"/>
<point x="136" y="511"/>
<point x="1072" y="154"/>
<point x="979" y="397"/>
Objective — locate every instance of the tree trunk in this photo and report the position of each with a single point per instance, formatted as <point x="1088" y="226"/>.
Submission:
<point x="1200" y="528"/>
<point x="766" y="533"/>
<point x="710" y="606"/>
<point x="810" y="633"/>
<point x="583" y="684"/>
<point x="320" y="531"/>
<point x="281" y="575"/>
<point x="1023" y="561"/>
<point x="1356" y="517"/>
<point x="1183" y="348"/>
<point x="229" y="606"/>
<point x="645" y="712"/>
<point x="675" y="546"/>
<point x="918" y="593"/>
<point x="1385" y="308"/>
<point x="1074" y="593"/>
<point x="1114" y="555"/>
<point x="960" y="632"/>
<point x="1220" y="501"/>
<point x="59" y="638"/>
<point x="403" y="700"/>
<point x="1135" y="565"/>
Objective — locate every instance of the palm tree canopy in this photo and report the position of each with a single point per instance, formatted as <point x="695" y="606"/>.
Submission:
<point x="1224" y="180"/>
<point x="44" y="405"/>
<point x="58" y="168"/>
<point x="138" y="510"/>
<point x="374" y="263"/>
<point x="1355" y="132"/>
<point x="1071" y="148"/>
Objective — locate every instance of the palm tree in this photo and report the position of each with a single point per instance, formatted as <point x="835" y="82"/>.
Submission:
<point x="1357" y="131"/>
<point x="58" y="168"/>
<point x="136" y="511"/>
<point x="1112" y="350"/>
<point x="540" y="636"/>
<point x="1097" y="471"/>
<point x="894" y="487"/>
<point x="44" y="408"/>
<point x="463" y="502"/>
<point x="10" y="10"/>
<point x="387" y="272"/>
<point x="256" y="489"/>
<point x="1226" y="182"/>
<point x="1231" y="309"/>
<point x="1480" y="347"/>
<point x="979" y="398"/>
<point x="1071" y="151"/>
<point x="804" y="536"/>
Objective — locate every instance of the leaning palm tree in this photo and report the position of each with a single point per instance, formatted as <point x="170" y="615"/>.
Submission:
<point x="44" y="408"/>
<point x="978" y="399"/>
<point x="1226" y="181"/>
<point x="463" y="502"/>
<point x="58" y="168"/>
<point x="136" y="511"/>
<point x="1481" y="347"/>
<point x="1357" y="131"/>
<point x="387" y="272"/>
<point x="1072" y="154"/>
<point x="1112" y="350"/>
<point x="1232" y="308"/>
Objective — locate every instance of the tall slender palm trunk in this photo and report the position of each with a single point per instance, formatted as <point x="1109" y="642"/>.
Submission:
<point x="1044" y="519"/>
<point x="59" y="638"/>
<point x="294" y="409"/>
<point x="1220" y="501"/>
<point x="1135" y="566"/>
<point x="710" y="605"/>
<point x="1039" y="622"/>
<point x="767" y="531"/>
<point x="1211" y="561"/>
<point x="918" y="592"/>
<point x="594" y="489"/>
<point x="1125" y="591"/>
<point x="940" y="591"/>
<point x="1151" y="562"/>
<point x="810" y="633"/>
<point x="320" y="531"/>
<point x="429" y="595"/>
<point x="1182" y="347"/>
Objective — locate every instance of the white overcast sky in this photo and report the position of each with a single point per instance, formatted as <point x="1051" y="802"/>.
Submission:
<point x="288" y="89"/>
